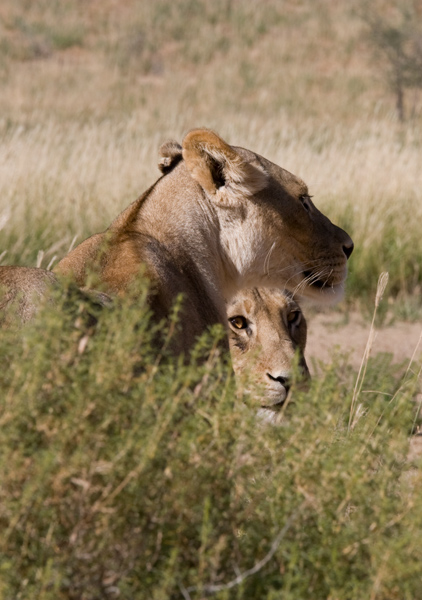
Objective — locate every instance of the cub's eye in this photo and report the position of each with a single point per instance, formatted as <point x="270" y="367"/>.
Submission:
<point x="238" y="322"/>
<point x="294" y="318"/>
<point x="306" y="202"/>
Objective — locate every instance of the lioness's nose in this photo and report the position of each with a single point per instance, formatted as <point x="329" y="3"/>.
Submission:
<point x="348" y="249"/>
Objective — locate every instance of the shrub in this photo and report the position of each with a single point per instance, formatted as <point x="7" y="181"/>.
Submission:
<point x="128" y="473"/>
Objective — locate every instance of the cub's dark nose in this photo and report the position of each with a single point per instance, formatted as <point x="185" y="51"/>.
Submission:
<point x="283" y="380"/>
<point x="348" y="249"/>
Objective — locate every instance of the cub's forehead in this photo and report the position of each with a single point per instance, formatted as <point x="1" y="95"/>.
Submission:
<point x="276" y="298"/>
<point x="252" y="301"/>
<point x="242" y="303"/>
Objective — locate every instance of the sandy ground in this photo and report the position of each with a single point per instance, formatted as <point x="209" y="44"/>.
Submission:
<point x="331" y="332"/>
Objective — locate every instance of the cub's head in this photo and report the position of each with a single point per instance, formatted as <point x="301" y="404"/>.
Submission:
<point x="267" y="335"/>
<point x="271" y="233"/>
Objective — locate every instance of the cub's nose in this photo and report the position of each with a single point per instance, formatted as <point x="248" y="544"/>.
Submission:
<point x="284" y="381"/>
<point x="348" y="249"/>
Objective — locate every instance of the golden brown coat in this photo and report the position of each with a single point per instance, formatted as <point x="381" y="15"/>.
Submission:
<point x="267" y="335"/>
<point x="220" y="219"/>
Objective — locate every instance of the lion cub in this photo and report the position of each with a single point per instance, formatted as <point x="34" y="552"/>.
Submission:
<point x="267" y="330"/>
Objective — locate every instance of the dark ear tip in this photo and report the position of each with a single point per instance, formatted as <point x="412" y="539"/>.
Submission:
<point x="169" y="154"/>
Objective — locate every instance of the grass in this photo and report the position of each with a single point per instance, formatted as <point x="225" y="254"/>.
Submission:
<point x="127" y="474"/>
<point x="62" y="181"/>
<point x="81" y="128"/>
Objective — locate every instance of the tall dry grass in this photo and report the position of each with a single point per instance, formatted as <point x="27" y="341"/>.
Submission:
<point x="89" y="95"/>
<point x="60" y="183"/>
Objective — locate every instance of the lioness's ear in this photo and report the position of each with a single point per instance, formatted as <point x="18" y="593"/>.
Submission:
<point x="169" y="154"/>
<point x="224" y="175"/>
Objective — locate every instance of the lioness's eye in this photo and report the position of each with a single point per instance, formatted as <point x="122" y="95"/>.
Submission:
<point x="294" y="317"/>
<point x="305" y="202"/>
<point x="239" y="322"/>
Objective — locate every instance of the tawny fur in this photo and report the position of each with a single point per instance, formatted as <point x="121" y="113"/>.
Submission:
<point x="267" y="335"/>
<point x="220" y="219"/>
<point x="23" y="290"/>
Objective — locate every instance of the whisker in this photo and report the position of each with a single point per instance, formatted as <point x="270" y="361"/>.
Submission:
<point x="267" y="260"/>
<point x="301" y="285"/>
<point x="320" y="275"/>
<point x="315" y="276"/>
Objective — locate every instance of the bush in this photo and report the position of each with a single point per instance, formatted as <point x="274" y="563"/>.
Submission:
<point x="127" y="473"/>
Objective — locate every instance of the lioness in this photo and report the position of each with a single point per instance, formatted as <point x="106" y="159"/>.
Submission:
<point x="267" y="329"/>
<point x="221" y="218"/>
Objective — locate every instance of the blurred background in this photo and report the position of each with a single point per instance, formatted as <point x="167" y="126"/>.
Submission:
<point x="331" y="91"/>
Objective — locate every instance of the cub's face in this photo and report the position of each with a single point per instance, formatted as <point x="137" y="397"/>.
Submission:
<point x="266" y="331"/>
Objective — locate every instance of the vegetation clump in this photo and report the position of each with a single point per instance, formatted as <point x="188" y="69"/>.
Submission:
<point x="128" y="474"/>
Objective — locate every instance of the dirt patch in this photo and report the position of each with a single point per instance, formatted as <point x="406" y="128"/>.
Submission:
<point x="329" y="333"/>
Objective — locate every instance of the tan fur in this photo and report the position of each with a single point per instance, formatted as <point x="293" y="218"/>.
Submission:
<point x="220" y="219"/>
<point x="170" y="154"/>
<point x="264" y="349"/>
<point x="23" y="290"/>
<point x="203" y="149"/>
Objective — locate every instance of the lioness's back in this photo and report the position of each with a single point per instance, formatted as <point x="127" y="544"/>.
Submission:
<point x="21" y="291"/>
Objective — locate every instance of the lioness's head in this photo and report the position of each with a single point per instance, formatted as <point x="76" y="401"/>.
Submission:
<point x="271" y="232"/>
<point x="267" y="331"/>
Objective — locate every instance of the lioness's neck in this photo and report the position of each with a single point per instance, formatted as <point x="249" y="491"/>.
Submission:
<point x="182" y="230"/>
<point x="176" y="218"/>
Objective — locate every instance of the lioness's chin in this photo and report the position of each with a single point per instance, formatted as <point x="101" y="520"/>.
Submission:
<point x="326" y="295"/>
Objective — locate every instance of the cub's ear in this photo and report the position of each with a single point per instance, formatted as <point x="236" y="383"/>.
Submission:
<point x="225" y="176"/>
<point x="169" y="154"/>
